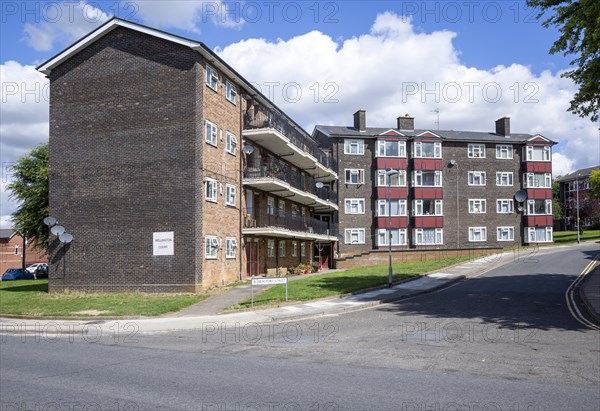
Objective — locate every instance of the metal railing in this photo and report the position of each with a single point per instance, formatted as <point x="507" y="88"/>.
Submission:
<point x="291" y="221"/>
<point x="278" y="169"/>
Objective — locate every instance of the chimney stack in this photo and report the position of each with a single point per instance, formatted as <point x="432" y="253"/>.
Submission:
<point x="360" y="120"/>
<point x="406" y="123"/>
<point x="503" y="126"/>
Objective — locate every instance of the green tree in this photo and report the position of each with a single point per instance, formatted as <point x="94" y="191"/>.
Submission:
<point x="557" y="211"/>
<point x="30" y="189"/>
<point x="578" y="21"/>
<point x="595" y="182"/>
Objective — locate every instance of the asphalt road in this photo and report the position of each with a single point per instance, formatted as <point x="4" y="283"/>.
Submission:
<point x="501" y="341"/>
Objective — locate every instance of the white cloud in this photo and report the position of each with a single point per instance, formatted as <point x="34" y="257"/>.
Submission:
<point x="394" y="70"/>
<point x="561" y="165"/>
<point x="62" y="22"/>
<point x="189" y="15"/>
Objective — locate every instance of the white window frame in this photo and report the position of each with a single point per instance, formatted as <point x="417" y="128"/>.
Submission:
<point x="482" y="205"/>
<point x="418" y="178"/>
<point x="270" y="205"/>
<point x="530" y="180"/>
<point x="383" y="235"/>
<point x="230" y="91"/>
<point x="419" y="211"/>
<point x="354" y="147"/>
<point x="476" y="150"/>
<point x="510" y="233"/>
<point x="383" y="208"/>
<point x="211" y="247"/>
<point x="418" y="149"/>
<point x="210" y="135"/>
<point x="504" y="152"/>
<point x="359" y="172"/>
<point x="294" y="248"/>
<point x="358" y="232"/>
<point x="281" y="248"/>
<point x="532" y="237"/>
<point x="212" y="77"/>
<point x="382" y="149"/>
<point x="211" y="187"/>
<point x="480" y="175"/>
<point x="230" y="195"/>
<point x="546" y="153"/>
<point x="231" y="143"/>
<point x="438" y="236"/>
<point x="509" y="203"/>
<point x="270" y="248"/>
<point x="482" y="231"/>
<point x="302" y="249"/>
<point x="230" y="247"/>
<point x="547" y="207"/>
<point x="500" y="175"/>
<point x="354" y="206"/>
<point x="399" y="179"/>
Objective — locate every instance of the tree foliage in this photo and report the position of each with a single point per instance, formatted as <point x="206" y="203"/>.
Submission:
<point x="595" y="183"/>
<point x="578" y="21"/>
<point x="557" y="210"/>
<point x="30" y="189"/>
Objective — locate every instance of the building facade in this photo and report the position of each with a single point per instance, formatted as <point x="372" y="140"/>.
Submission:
<point x="172" y="172"/>
<point x="11" y="251"/>
<point x="574" y="193"/>
<point x="421" y="189"/>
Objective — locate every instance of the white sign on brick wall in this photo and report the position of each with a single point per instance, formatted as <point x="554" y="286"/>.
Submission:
<point x="163" y="243"/>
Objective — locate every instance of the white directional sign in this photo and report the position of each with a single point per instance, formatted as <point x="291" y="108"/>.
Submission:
<point x="268" y="281"/>
<point x="163" y="243"/>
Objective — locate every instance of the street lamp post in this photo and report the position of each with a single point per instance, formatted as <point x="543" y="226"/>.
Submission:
<point x="577" y="205"/>
<point x="389" y="175"/>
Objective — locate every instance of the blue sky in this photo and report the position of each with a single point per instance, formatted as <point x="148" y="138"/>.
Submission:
<point x="475" y="61"/>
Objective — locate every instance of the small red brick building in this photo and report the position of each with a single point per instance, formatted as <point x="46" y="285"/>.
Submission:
<point x="11" y="251"/>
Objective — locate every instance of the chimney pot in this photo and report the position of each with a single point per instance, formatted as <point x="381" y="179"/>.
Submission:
<point x="360" y="120"/>
<point x="406" y="123"/>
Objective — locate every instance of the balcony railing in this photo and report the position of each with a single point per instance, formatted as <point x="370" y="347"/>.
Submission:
<point x="277" y="169"/>
<point x="271" y="120"/>
<point x="291" y="221"/>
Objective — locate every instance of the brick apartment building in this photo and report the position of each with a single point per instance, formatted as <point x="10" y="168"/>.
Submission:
<point x="589" y="208"/>
<point x="172" y="172"/>
<point x="449" y="189"/>
<point x="11" y="251"/>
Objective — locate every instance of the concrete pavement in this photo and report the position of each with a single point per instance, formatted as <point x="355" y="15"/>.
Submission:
<point x="590" y="293"/>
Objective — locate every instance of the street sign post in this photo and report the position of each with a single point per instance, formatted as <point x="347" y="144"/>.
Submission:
<point x="268" y="281"/>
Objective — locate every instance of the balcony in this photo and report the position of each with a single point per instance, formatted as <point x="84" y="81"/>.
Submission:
<point x="273" y="175"/>
<point x="275" y="223"/>
<point x="277" y="135"/>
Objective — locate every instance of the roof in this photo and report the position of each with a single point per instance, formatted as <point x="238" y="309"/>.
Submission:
<point x="374" y="132"/>
<point x="7" y="233"/>
<point x="584" y="172"/>
<point x="198" y="46"/>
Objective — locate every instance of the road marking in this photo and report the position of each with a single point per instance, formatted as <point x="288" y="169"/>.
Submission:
<point x="570" y="294"/>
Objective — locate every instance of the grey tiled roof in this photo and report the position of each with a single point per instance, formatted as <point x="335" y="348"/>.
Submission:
<point x="372" y="132"/>
<point x="6" y="233"/>
<point x="584" y="172"/>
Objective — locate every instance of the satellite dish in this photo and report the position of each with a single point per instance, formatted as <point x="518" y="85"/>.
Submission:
<point x="319" y="184"/>
<point x="248" y="150"/>
<point x="57" y="230"/>
<point x="521" y="196"/>
<point x="49" y="221"/>
<point x="453" y="162"/>
<point x="521" y="208"/>
<point x="65" y="238"/>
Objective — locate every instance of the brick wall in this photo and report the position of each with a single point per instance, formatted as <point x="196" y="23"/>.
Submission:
<point x="11" y="254"/>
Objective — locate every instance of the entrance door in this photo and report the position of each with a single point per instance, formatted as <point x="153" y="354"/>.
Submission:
<point x="252" y="258"/>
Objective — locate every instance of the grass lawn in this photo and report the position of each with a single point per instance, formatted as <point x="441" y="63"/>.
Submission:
<point x="31" y="298"/>
<point x="343" y="282"/>
<point x="571" y="236"/>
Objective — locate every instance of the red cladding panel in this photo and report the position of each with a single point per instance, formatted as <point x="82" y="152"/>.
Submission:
<point x="428" y="222"/>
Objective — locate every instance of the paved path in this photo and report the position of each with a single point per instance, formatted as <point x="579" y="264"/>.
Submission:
<point x="590" y="292"/>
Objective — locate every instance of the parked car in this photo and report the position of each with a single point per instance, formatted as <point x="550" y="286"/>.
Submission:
<point x="16" y="274"/>
<point x="33" y="267"/>
<point x="41" y="271"/>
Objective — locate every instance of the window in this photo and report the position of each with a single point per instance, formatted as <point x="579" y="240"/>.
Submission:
<point x="396" y="180"/>
<point x="539" y="234"/>
<point x="506" y="233"/>
<point x="230" y="247"/>
<point x="355" y="176"/>
<point x="230" y="91"/>
<point x="537" y="153"/>
<point x="476" y="206"/>
<point x="294" y="248"/>
<point x="281" y="210"/>
<point x="270" y="248"/>
<point x="354" y="147"/>
<point x="212" y="245"/>
<point x="230" y="198"/>
<point x="396" y="207"/>
<point x="477" y="234"/>
<point x="303" y="249"/>
<point x="476" y="178"/>
<point x="539" y="207"/>
<point x="391" y="148"/>
<point x="212" y="78"/>
<point x="211" y="133"/>
<point x="210" y="190"/>
<point x="398" y="236"/>
<point x="476" y="150"/>
<point x="427" y="150"/>
<point x="429" y="236"/>
<point x="354" y="205"/>
<point x="231" y="143"/>
<point x="503" y="151"/>
<point x="427" y="178"/>
<point x="538" y="180"/>
<point x="427" y="207"/>
<point x="504" y="178"/>
<point x="281" y="248"/>
<point x="505" y="206"/>
<point x="355" y="236"/>
<point x="270" y="206"/>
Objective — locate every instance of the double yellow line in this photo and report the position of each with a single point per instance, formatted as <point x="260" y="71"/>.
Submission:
<point x="570" y="294"/>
